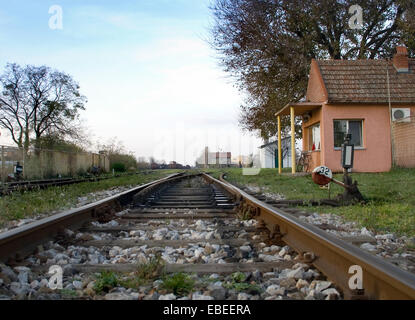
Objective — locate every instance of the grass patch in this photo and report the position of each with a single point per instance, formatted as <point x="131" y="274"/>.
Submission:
<point x="151" y="270"/>
<point x="145" y="274"/>
<point x="29" y="204"/>
<point x="106" y="281"/>
<point x="178" y="283"/>
<point x="390" y="206"/>
<point x="238" y="283"/>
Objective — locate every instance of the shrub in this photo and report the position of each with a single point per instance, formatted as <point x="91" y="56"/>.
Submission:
<point x="118" y="167"/>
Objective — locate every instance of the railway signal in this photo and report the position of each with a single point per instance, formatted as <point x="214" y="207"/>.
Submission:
<point x="322" y="175"/>
<point x="347" y="153"/>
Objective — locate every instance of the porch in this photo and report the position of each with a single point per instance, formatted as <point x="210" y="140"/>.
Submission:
<point x="312" y="155"/>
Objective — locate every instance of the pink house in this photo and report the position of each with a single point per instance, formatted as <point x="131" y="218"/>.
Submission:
<point x="361" y="97"/>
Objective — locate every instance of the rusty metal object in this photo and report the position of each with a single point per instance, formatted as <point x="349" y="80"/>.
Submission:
<point x="322" y="175"/>
<point x="23" y="240"/>
<point x="332" y="256"/>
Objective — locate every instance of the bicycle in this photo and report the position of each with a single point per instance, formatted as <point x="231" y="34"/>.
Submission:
<point x="303" y="163"/>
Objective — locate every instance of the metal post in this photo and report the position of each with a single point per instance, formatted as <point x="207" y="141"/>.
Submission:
<point x="292" y="140"/>
<point x="279" y="146"/>
<point x="390" y="115"/>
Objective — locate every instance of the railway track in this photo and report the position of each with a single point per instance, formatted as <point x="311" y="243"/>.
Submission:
<point x="182" y="237"/>
<point x="30" y="185"/>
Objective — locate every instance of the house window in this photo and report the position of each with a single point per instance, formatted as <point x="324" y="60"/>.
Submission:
<point x="342" y="127"/>
<point x="314" y="137"/>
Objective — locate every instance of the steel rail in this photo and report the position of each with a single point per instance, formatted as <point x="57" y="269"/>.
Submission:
<point x="30" y="185"/>
<point x="16" y="243"/>
<point x="332" y="256"/>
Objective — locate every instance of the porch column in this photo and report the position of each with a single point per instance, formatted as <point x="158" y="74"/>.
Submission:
<point x="292" y="116"/>
<point x="279" y="146"/>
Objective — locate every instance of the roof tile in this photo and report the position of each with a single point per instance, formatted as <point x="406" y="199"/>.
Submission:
<point x="366" y="81"/>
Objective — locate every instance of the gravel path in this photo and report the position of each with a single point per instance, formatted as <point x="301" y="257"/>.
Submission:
<point x="294" y="280"/>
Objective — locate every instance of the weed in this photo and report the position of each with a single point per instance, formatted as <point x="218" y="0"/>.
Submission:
<point x="238" y="283"/>
<point x="106" y="281"/>
<point x="145" y="273"/>
<point x="178" y="283"/>
<point x="151" y="270"/>
<point x="238" y="277"/>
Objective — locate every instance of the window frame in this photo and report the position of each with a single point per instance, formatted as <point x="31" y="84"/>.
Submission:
<point x="362" y="146"/>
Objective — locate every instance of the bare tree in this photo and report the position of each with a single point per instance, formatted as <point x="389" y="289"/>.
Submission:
<point x="117" y="153"/>
<point x="14" y="115"/>
<point x="39" y="101"/>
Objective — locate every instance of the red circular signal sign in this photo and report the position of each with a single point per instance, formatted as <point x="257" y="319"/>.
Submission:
<point x="322" y="175"/>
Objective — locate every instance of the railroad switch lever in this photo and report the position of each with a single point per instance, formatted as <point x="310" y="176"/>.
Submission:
<point x="352" y="192"/>
<point x="322" y="175"/>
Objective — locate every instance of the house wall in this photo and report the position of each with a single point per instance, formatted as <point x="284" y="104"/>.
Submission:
<point x="264" y="158"/>
<point x="316" y="91"/>
<point x="267" y="155"/>
<point x="404" y="142"/>
<point x="375" y="156"/>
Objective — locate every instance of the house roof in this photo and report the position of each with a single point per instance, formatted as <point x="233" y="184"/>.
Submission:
<point x="274" y="142"/>
<point x="365" y="81"/>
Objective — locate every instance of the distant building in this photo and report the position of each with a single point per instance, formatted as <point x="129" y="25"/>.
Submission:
<point x="214" y="159"/>
<point x="175" y="165"/>
<point x="268" y="154"/>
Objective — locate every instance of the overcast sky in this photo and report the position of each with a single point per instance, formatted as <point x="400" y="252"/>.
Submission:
<point x="150" y="78"/>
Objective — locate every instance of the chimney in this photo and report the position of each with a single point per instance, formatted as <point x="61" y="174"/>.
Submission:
<point x="400" y="59"/>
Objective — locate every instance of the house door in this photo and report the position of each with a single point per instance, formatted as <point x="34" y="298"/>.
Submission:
<point x="276" y="160"/>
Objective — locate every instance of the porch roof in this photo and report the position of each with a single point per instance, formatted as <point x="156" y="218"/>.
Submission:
<point x="299" y="108"/>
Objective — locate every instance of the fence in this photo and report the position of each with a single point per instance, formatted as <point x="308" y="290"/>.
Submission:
<point x="403" y="132"/>
<point x="43" y="164"/>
